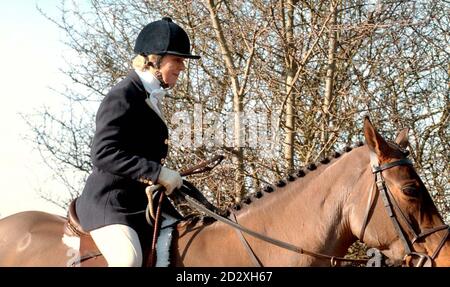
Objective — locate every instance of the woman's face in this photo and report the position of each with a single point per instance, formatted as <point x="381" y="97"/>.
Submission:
<point x="170" y="68"/>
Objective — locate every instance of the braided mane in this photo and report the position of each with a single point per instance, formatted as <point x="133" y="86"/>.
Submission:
<point x="247" y="200"/>
<point x="302" y="172"/>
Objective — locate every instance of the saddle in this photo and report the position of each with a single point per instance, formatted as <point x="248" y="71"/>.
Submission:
<point x="87" y="249"/>
<point x="89" y="254"/>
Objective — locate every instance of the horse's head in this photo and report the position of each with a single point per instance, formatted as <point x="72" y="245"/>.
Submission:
<point x="396" y="214"/>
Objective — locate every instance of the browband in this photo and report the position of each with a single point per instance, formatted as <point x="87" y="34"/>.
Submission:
<point x="380" y="168"/>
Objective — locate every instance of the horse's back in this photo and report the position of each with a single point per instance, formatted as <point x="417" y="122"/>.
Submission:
<point x="33" y="238"/>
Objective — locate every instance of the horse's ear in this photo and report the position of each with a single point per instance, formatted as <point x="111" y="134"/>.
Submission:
<point x="402" y="138"/>
<point x="374" y="140"/>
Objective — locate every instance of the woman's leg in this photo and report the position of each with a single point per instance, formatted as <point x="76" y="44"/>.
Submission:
<point x="119" y="244"/>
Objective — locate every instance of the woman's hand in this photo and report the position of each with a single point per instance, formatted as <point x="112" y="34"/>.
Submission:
<point x="170" y="179"/>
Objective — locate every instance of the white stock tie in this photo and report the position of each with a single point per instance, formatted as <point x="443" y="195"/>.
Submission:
<point x="156" y="98"/>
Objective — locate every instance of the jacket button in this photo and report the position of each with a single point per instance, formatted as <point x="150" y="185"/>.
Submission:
<point x="163" y="160"/>
<point x="146" y="181"/>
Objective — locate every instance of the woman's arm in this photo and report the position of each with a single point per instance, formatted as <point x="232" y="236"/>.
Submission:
<point x="108" y="152"/>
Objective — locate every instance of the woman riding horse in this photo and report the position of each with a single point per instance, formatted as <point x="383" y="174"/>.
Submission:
<point x="130" y="145"/>
<point x="371" y="193"/>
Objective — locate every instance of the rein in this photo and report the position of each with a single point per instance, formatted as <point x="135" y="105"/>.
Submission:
<point x="154" y="219"/>
<point x="199" y="168"/>
<point x="203" y="167"/>
<point x="276" y="242"/>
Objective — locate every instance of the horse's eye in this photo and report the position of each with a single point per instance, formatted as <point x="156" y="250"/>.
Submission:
<point x="410" y="190"/>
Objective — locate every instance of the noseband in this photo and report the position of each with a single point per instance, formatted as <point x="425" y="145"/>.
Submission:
<point x="390" y="204"/>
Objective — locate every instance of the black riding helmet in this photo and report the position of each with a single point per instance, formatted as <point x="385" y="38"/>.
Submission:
<point x="164" y="37"/>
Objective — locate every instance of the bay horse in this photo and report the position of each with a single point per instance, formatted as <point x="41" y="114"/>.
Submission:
<point x="371" y="193"/>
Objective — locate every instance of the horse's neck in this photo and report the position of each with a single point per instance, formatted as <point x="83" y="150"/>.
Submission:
<point x="309" y="213"/>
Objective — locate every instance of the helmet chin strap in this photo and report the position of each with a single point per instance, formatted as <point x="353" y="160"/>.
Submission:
<point x="157" y="73"/>
<point x="163" y="84"/>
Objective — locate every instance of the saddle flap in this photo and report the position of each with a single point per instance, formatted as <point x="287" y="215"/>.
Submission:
<point x="73" y="226"/>
<point x="87" y="248"/>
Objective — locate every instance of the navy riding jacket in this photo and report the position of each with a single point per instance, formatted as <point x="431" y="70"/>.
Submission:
<point x="129" y="146"/>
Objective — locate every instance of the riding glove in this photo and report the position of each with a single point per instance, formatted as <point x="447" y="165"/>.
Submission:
<point x="170" y="179"/>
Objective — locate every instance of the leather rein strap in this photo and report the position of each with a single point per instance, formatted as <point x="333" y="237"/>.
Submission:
<point x="199" y="168"/>
<point x="203" y="166"/>
<point x="273" y="241"/>
<point x="150" y="214"/>
<point x="248" y="248"/>
<point x="151" y="260"/>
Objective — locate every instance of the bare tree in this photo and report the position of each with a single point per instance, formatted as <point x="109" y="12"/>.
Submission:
<point x="316" y="65"/>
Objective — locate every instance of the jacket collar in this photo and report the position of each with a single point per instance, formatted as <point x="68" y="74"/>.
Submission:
<point x="149" y="81"/>
<point x="134" y="77"/>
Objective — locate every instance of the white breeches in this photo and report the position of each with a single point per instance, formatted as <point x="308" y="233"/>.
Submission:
<point x="119" y="244"/>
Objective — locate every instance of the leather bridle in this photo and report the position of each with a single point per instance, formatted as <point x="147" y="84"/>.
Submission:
<point x="390" y="205"/>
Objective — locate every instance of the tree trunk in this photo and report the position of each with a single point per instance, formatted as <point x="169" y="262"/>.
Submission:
<point x="237" y="159"/>
<point x="328" y="97"/>
<point x="291" y="67"/>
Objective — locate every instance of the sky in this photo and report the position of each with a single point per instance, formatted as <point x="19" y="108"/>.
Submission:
<point x="31" y="53"/>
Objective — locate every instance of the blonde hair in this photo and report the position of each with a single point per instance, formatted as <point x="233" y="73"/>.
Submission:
<point x="144" y="63"/>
